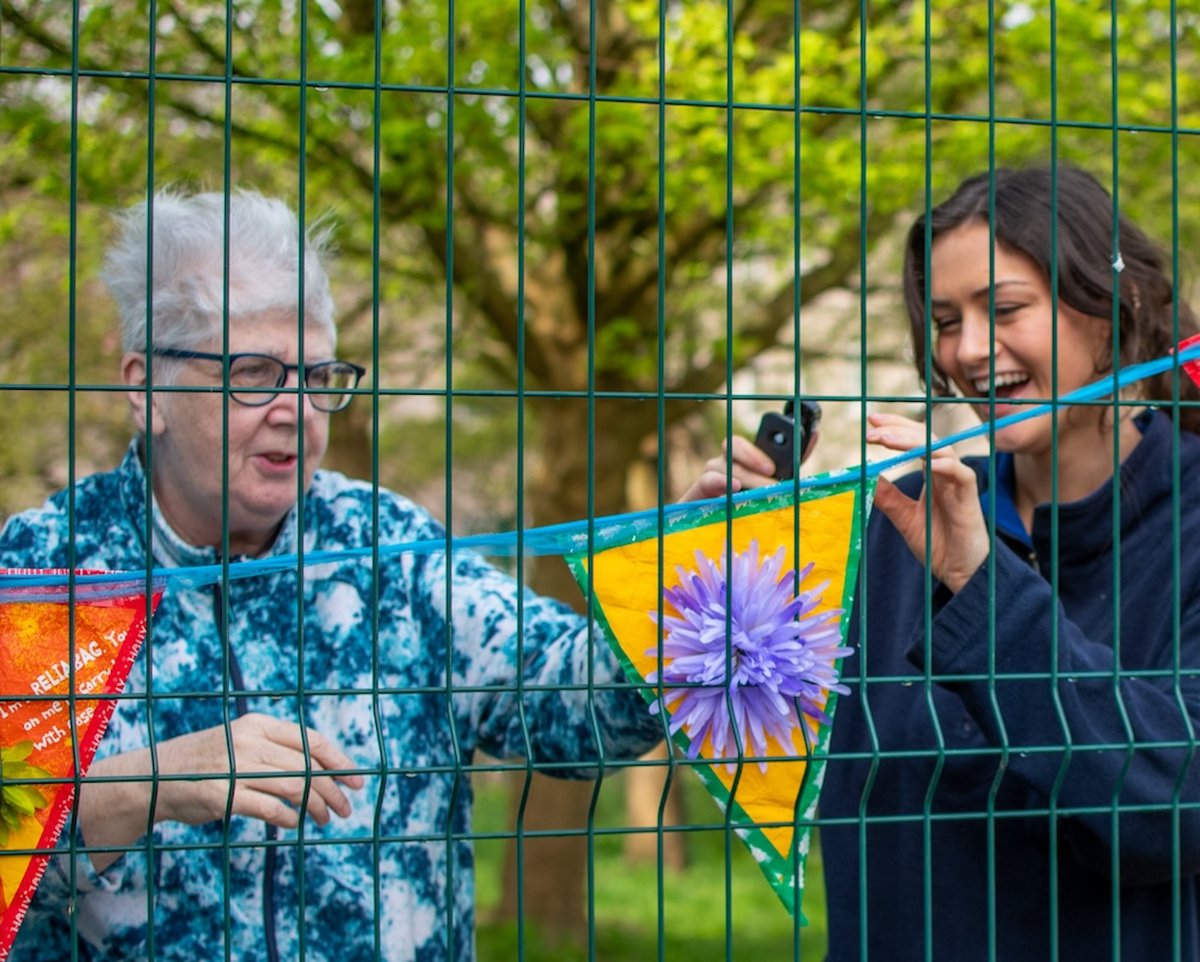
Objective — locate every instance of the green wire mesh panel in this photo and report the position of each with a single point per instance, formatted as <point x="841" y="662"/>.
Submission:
<point x="579" y="246"/>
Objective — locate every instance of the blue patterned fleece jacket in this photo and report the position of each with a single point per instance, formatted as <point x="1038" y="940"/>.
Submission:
<point x="395" y="880"/>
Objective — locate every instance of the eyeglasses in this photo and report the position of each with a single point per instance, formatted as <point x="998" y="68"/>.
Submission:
<point x="255" y="379"/>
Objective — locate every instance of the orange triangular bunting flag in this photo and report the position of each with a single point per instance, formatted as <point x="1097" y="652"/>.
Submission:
<point x="50" y="677"/>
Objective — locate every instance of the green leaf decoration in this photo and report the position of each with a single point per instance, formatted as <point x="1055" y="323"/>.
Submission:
<point x="18" y="802"/>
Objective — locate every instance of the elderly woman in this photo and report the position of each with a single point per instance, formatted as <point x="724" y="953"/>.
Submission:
<point x="387" y="676"/>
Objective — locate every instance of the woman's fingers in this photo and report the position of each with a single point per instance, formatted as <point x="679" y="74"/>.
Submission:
<point x="277" y="768"/>
<point x="745" y="467"/>
<point x="322" y="750"/>
<point x="752" y="460"/>
<point x="906" y="514"/>
<point x="943" y="526"/>
<point x="711" y="484"/>
<point x="301" y="780"/>
<point x="898" y="433"/>
<point x="893" y="502"/>
<point x="278" y="799"/>
<point x="265" y="806"/>
<point x="954" y="479"/>
<point x="266" y="744"/>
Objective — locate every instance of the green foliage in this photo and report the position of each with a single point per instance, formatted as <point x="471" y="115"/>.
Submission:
<point x="53" y="333"/>
<point x="626" y="901"/>
<point x="602" y="193"/>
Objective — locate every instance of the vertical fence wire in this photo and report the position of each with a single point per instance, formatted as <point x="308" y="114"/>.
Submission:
<point x="234" y="697"/>
<point x="1115" y="801"/>
<point x="730" y="334"/>
<point x="1178" y="669"/>
<point x="661" y="439"/>
<point x="302" y="711"/>
<point x="594" y="468"/>
<point x="453" y="934"/>
<point x="1053" y="802"/>
<point x="522" y="108"/>
<point x="72" y="318"/>
<point x="800" y="818"/>
<point x="148" y="454"/>
<point x="993" y="923"/>
<point x="386" y="773"/>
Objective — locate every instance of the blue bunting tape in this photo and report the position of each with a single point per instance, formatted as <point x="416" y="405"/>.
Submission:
<point x="571" y="537"/>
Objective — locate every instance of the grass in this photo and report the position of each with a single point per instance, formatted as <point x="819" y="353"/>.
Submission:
<point x="719" y="907"/>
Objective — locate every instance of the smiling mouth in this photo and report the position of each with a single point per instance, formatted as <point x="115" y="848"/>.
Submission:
<point x="1005" y="385"/>
<point x="280" y="458"/>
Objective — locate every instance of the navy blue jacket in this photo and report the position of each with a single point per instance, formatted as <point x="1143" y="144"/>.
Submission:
<point x="1058" y="805"/>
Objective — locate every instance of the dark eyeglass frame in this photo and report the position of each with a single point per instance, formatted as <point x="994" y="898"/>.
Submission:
<point x="259" y="397"/>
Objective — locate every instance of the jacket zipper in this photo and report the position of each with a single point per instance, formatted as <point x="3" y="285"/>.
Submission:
<point x="242" y="707"/>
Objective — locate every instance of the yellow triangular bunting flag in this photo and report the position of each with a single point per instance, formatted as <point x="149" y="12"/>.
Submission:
<point x="734" y="623"/>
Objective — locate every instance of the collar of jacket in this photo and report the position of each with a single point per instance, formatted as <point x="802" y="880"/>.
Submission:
<point x="1085" y="527"/>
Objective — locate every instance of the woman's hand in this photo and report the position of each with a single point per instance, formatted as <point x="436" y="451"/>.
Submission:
<point x="752" y="468"/>
<point x="958" y="537"/>
<point x="115" y="813"/>
<point x="261" y="744"/>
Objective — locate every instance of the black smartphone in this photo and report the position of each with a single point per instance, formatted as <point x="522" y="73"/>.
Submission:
<point x="779" y="435"/>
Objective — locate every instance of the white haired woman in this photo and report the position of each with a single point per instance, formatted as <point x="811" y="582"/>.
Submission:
<point x="387" y="678"/>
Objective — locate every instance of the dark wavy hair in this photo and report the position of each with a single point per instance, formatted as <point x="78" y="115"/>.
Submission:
<point x="1024" y="201"/>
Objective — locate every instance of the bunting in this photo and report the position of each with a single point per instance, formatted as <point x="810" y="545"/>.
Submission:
<point x="732" y="621"/>
<point x="59" y="657"/>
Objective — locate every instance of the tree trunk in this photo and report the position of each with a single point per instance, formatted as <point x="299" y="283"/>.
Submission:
<point x="644" y="787"/>
<point x="554" y="869"/>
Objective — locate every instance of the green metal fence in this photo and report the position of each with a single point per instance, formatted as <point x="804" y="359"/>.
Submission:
<point x="579" y="246"/>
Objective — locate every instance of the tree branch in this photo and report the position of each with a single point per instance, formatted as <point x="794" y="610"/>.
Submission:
<point x="763" y="329"/>
<point x="477" y="277"/>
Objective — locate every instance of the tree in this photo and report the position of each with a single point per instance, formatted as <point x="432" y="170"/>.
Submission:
<point x="627" y="207"/>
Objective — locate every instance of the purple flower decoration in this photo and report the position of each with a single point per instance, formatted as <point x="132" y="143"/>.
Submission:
<point x="778" y="654"/>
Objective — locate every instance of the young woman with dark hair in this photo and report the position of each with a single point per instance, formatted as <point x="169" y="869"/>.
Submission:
<point x="1013" y="774"/>
<point x="1022" y="224"/>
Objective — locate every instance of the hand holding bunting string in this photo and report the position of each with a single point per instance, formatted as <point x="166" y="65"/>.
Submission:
<point x="956" y="536"/>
